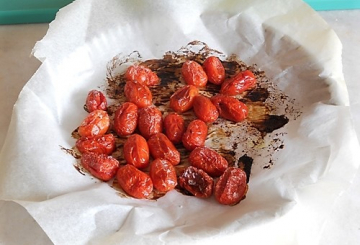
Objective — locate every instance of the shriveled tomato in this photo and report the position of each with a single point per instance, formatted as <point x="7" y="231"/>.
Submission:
<point x="197" y="182"/>
<point x="102" y="144"/>
<point x="174" y="126"/>
<point x="161" y="147"/>
<point x="193" y="73"/>
<point x="183" y="98"/>
<point x="101" y="166"/>
<point x="125" y="119"/>
<point x="142" y="74"/>
<point x="163" y="175"/>
<point x="138" y="93"/>
<point x="96" y="123"/>
<point x="195" y="135"/>
<point x="204" y="109"/>
<point x="150" y="121"/>
<point x="208" y="160"/>
<point x="214" y="70"/>
<point x="95" y="100"/>
<point x="134" y="182"/>
<point x="230" y="108"/>
<point x="136" y="151"/>
<point x="238" y="83"/>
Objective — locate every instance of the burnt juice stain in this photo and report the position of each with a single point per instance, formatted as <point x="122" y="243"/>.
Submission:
<point x="258" y="94"/>
<point x="271" y="123"/>
<point x="245" y="163"/>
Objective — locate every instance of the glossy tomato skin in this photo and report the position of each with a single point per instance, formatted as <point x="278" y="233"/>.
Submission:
<point x="126" y="119"/>
<point x="174" y="127"/>
<point x="204" y="109"/>
<point x="195" y="135"/>
<point x="163" y="175"/>
<point x="138" y="93"/>
<point x="161" y="147"/>
<point x="102" y="144"/>
<point x="238" y="83"/>
<point x="134" y="182"/>
<point x="193" y="74"/>
<point x="95" y="100"/>
<point x="214" y="70"/>
<point x="101" y="166"/>
<point x="208" y="160"/>
<point x="231" y="187"/>
<point x="182" y="100"/>
<point x="96" y="123"/>
<point x="230" y="108"/>
<point x="197" y="182"/>
<point x="150" y="121"/>
<point x="142" y="74"/>
<point x="136" y="151"/>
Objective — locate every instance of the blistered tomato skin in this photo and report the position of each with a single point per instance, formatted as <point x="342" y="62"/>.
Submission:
<point x="195" y="135"/>
<point x="125" y="119"/>
<point x="208" y="160"/>
<point x="95" y="100"/>
<point x="134" y="182"/>
<point x="231" y="187"/>
<point x="204" y="109"/>
<point x="138" y="93"/>
<point x="197" y="182"/>
<point x="193" y="74"/>
<point x="183" y="98"/>
<point x="238" y="83"/>
<point x="102" y="144"/>
<point x="174" y="127"/>
<point x="214" y="70"/>
<point x="161" y="147"/>
<point x="136" y="151"/>
<point x="96" y="123"/>
<point x="150" y="121"/>
<point x="230" y="108"/>
<point x="101" y="166"/>
<point x="142" y="74"/>
<point x="163" y="175"/>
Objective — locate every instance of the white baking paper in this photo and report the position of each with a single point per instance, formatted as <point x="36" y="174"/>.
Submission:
<point x="286" y="204"/>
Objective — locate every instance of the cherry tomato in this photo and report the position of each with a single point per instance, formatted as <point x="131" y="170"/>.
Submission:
<point x="195" y="135"/>
<point x="125" y="119"/>
<point x="101" y="166"/>
<point x="138" y="94"/>
<point x="96" y="123"/>
<point x="214" y="70"/>
<point x="231" y="187"/>
<point x="134" y="182"/>
<point x="136" y="151"/>
<point x="238" y="83"/>
<point x="163" y="175"/>
<point x="150" y="121"/>
<point x="230" y="108"/>
<point x="183" y="99"/>
<point x="142" y="74"/>
<point x="208" y="160"/>
<point x="204" y="109"/>
<point x="102" y="144"/>
<point x="197" y="182"/>
<point x="194" y="74"/>
<point x="95" y="100"/>
<point x="161" y="147"/>
<point x="174" y="126"/>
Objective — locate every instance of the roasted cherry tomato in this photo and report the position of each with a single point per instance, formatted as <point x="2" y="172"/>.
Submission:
<point x="125" y="119"/>
<point x="197" y="182"/>
<point x="102" y="144"/>
<point x="208" y="160"/>
<point x="238" y="83"/>
<point x="150" y="121"/>
<point x="142" y="74"/>
<point x="138" y="93"/>
<point x="231" y="187"/>
<point x="161" y="147"/>
<point x="204" y="109"/>
<point x="183" y="98"/>
<point x="214" y="70"/>
<point x="163" y="175"/>
<point x="96" y="123"/>
<point x="136" y="151"/>
<point x="174" y="126"/>
<point x="95" y="100"/>
<point x="195" y="135"/>
<point x="134" y="182"/>
<point x="101" y="166"/>
<point x="230" y="108"/>
<point x="193" y="73"/>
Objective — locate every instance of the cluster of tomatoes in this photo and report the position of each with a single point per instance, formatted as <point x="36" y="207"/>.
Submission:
<point x="152" y="146"/>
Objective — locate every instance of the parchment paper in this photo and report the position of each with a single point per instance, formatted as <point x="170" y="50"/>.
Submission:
<point x="286" y="204"/>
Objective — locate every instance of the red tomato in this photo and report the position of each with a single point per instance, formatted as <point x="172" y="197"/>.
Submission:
<point x="96" y="123"/>
<point x="194" y="74"/>
<point x="95" y="100"/>
<point x="161" y="147"/>
<point x="125" y="119"/>
<point x="142" y="74"/>
<point x="204" y="109"/>
<point x="230" y="108"/>
<point x="163" y="175"/>
<point x="183" y="99"/>
<point x="174" y="126"/>
<point x="101" y="166"/>
<point x="195" y="135"/>
<point x="136" y="151"/>
<point x="214" y="70"/>
<point x="238" y="83"/>
<point x="208" y="160"/>
<point x="138" y="94"/>
<point x="150" y="121"/>
<point x="197" y="182"/>
<point x="102" y="144"/>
